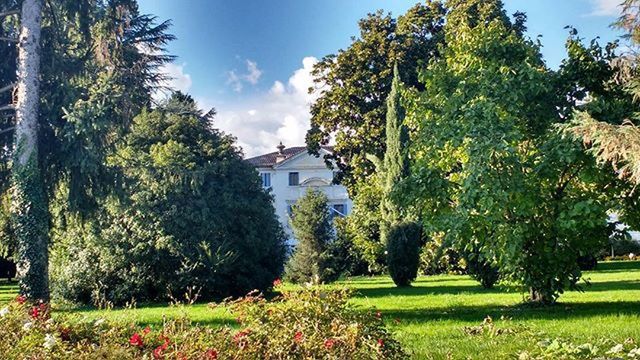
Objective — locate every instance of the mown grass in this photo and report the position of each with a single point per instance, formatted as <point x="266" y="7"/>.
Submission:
<point x="429" y="318"/>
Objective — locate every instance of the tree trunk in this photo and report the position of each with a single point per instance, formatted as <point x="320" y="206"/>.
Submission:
<point x="539" y="297"/>
<point x="29" y="205"/>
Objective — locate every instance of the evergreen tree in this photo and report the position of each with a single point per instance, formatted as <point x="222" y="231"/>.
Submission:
<point x="395" y="166"/>
<point x="312" y="227"/>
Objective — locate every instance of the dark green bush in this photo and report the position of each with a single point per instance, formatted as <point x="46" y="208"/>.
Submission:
<point x="403" y="252"/>
<point x="483" y="270"/>
<point x="193" y="214"/>
<point x="344" y="259"/>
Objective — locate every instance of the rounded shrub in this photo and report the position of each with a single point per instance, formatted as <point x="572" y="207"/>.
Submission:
<point x="403" y="252"/>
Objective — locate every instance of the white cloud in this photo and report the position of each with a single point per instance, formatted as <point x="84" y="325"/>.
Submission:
<point x="280" y="114"/>
<point x="254" y="73"/>
<point x="605" y="7"/>
<point x="177" y="79"/>
<point x="252" y="76"/>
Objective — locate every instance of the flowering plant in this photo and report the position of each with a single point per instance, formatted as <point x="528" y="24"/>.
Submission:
<point x="308" y="324"/>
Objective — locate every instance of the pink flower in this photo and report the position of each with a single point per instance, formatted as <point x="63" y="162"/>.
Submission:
<point x="380" y="343"/>
<point x="298" y="337"/>
<point x="21" y="299"/>
<point x="379" y="315"/>
<point x="328" y="344"/>
<point x="146" y="330"/>
<point x="136" y="340"/>
<point x="277" y="282"/>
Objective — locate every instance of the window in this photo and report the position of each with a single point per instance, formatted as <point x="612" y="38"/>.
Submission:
<point x="339" y="210"/>
<point x="294" y="179"/>
<point x="266" y="180"/>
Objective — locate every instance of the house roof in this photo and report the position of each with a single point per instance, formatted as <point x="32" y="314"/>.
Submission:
<point x="270" y="159"/>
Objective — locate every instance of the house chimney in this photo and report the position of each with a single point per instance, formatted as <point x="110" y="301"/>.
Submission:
<point x="280" y="157"/>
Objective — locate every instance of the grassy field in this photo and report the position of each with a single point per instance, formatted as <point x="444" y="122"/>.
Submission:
<point x="429" y="318"/>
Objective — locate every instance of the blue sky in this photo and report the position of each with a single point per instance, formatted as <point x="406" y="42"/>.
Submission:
<point x="251" y="59"/>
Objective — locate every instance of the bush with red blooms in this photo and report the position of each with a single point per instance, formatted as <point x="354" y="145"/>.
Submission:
<point x="308" y="324"/>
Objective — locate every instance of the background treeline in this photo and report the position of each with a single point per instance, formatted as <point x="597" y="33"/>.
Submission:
<point x="501" y="172"/>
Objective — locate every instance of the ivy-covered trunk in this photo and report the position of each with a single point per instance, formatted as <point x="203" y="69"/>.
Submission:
<point x="29" y="206"/>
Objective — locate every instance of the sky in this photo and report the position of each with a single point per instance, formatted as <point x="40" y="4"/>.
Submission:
<point x="251" y="59"/>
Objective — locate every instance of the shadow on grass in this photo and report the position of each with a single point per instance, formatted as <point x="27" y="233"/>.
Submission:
<point x="475" y="314"/>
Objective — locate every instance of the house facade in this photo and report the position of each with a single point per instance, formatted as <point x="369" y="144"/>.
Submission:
<point x="289" y="172"/>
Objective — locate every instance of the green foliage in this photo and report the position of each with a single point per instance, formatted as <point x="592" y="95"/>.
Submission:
<point x="488" y="171"/>
<point x="343" y="257"/>
<point x="313" y="229"/>
<point x="403" y="252"/>
<point x="325" y="326"/>
<point x="363" y="225"/>
<point x="194" y="215"/>
<point x="395" y="166"/>
<point x="358" y="81"/>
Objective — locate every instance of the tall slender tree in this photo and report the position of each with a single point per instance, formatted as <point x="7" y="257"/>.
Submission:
<point x="29" y="206"/>
<point x="395" y="166"/>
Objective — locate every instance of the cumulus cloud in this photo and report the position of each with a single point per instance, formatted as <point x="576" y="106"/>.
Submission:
<point x="280" y="114"/>
<point x="252" y="76"/>
<point x="605" y="7"/>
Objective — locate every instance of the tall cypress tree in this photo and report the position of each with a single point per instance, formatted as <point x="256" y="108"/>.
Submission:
<point x="395" y="164"/>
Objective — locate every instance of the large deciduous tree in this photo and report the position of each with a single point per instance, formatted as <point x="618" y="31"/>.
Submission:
<point x="489" y="172"/>
<point x="29" y="205"/>
<point x="356" y="83"/>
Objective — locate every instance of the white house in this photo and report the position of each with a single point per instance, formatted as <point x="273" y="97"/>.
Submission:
<point x="289" y="172"/>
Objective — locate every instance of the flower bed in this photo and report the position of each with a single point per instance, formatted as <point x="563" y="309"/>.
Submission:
<point x="308" y="324"/>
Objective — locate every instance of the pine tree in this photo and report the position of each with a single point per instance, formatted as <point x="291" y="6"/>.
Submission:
<point x="312" y="227"/>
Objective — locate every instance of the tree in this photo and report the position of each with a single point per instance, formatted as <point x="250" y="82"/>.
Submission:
<point x="95" y="75"/>
<point x="355" y="83"/>
<point x="194" y="215"/>
<point x="489" y="171"/>
<point x="403" y="248"/>
<point x="29" y="205"/>
<point x="312" y="227"/>
<point x="616" y="141"/>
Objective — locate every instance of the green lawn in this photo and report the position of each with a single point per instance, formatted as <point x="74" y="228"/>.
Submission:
<point x="429" y="317"/>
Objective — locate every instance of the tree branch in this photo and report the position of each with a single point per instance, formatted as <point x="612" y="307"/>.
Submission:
<point x="3" y="38"/>
<point x="7" y="130"/>
<point x="9" y="13"/>
<point x="7" y="88"/>
<point x="7" y="107"/>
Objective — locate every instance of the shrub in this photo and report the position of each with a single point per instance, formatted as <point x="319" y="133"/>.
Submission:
<point x="193" y="214"/>
<point x="483" y="270"/>
<point x="7" y="269"/>
<point x="325" y="327"/>
<point x="403" y="252"/>
<point x="343" y="258"/>
<point x="312" y="227"/>
<point x="436" y="258"/>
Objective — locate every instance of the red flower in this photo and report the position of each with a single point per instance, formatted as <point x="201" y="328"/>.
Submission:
<point x="21" y="299"/>
<point x="328" y="344"/>
<point x="146" y="330"/>
<point x="157" y="352"/>
<point x="380" y="343"/>
<point x="379" y="315"/>
<point x="211" y="354"/>
<point x="136" y="340"/>
<point x="277" y="282"/>
<point x="35" y="311"/>
<point x="241" y="335"/>
<point x="298" y="337"/>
